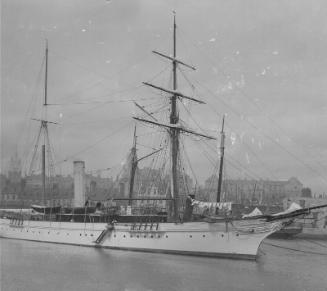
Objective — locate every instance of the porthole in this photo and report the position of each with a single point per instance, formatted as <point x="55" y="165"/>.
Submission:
<point x="124" y="235"/>
<point x="190" y="236"/>
<point x="166" y="236"/>
<point x="204" y="235"/>
<point x="91" y="234"/>
<point x="80" y="234"/>
<point x="237" y="234"/>
<point x="151" y="236"/>
<point x="137" y="236"/>
<point x="158" y="236"/>
<point x="222" y="235"/>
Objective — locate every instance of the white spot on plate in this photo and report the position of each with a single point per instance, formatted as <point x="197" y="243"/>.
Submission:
<point x="247" y="158"/>
<point x="233" y="138"/>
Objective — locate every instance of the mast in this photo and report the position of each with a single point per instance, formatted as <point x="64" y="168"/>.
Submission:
<point x="174" y="134"/>
<point x="133" y="168"/>
<point x="43" y="122"/>
<point x="174" y="128"/>
<point x="222" y="149"/>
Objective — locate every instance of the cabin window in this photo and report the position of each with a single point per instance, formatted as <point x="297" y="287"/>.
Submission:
<point x="190" y="236"/>
<point x="204" y="235"/>
<point x="166" y="236"/>
<point x="222" y="235"/>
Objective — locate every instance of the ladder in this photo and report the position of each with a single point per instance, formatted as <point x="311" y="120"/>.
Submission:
<point x="104" y="234"/>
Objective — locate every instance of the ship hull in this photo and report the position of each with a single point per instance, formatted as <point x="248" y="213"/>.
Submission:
<point x="220" y="239"/>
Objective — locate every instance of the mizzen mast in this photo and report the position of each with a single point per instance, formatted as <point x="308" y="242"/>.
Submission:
<point x="44" y="134"/>
<point x="44" y="124"/>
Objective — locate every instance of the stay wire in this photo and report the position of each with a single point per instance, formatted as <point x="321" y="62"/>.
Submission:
<point x="271" y="139"/>
<point x="96" y="143"/>
<point x="294" y="156"/>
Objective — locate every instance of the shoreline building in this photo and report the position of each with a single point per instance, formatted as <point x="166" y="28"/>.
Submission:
<point x="252" y="191"/>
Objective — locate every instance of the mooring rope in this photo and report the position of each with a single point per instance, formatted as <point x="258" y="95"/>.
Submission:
<point x="296" y="250"/>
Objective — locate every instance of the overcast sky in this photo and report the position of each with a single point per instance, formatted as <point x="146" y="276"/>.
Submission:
<point x="262" y="63"/>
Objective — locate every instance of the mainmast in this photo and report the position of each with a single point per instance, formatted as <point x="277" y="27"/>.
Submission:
<point x="221" y="165"/>
<point x="174" y="128"/>
<point x="174" y="134"/>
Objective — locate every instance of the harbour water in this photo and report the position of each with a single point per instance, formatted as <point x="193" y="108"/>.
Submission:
<point x="282" y="265"/>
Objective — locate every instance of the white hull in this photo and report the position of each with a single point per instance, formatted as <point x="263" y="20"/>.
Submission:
<point x="240" y="240"/>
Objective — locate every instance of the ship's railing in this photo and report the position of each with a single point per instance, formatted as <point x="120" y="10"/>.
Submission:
<point x="16" y="220"/>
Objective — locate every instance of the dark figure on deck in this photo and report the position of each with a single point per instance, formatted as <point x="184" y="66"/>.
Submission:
<point x="188" y="208"/>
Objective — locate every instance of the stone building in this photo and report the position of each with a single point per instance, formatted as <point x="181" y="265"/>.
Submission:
<point x="254" y="191"/>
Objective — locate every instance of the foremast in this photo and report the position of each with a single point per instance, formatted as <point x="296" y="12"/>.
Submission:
<point x="133" y="168"/>
<point x="221" y="164"/>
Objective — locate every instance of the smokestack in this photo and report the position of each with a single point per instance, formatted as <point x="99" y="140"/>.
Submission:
<point x="79" y="183"/>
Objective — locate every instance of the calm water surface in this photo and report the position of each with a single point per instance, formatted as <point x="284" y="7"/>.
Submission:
<point x="32" y="266"/>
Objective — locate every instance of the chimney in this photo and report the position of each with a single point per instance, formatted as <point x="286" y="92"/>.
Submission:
<point x="79" y="183"/>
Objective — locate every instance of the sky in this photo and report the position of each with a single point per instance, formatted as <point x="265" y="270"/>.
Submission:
<point x="261" y="63"/>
